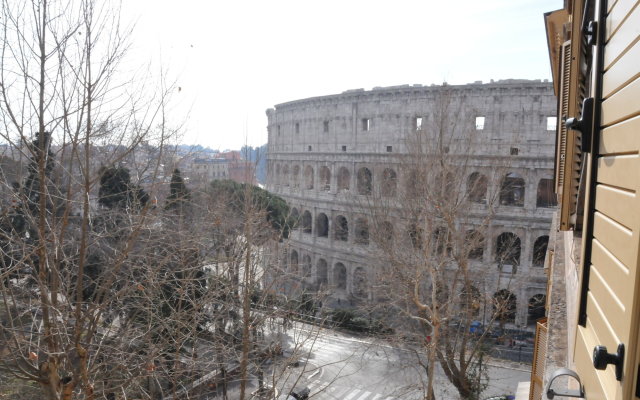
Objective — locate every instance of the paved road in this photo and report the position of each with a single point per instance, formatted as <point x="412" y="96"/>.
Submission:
<point x="344" y="367"/>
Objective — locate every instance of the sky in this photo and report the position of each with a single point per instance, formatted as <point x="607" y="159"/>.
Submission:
<point x="232" y="59"/>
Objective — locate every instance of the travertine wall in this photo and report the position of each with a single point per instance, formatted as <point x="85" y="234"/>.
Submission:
<point x="322" y="136"/>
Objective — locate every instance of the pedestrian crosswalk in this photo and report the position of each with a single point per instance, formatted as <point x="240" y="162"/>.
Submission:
<point x="334" y="391"/>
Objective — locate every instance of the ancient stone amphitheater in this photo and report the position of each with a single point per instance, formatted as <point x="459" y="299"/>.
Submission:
<point x="327" y="155"/>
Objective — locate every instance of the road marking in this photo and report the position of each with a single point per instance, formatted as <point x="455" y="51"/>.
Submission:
<point x="353" y="394"/>
<point x="313" y="384"/>
<point x="389" y="398"/>
<point x="377" y="396"/>
<point x="365" y="395"/>
<point x="339" y="393"/>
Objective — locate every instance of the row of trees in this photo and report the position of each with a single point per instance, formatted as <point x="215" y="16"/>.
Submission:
<point x="104" y="292"/>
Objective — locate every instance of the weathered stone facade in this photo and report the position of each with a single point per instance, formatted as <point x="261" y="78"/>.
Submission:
<point x="318" y="148"/>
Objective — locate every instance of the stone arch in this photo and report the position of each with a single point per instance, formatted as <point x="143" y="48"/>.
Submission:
<point x="341" y="228"/>
<point x="416" y="236"/>
<point x="512" y="190"/>
<point x="470" y="299"/>
<point x="322" y="225"/>
<point x="344" y="179"/>
<point x="474" y="243"/>
<point x="306" y="266"/>
<point x="414" y="184"/>
<point x="477" y="185"/>
<point x="508" y="249"/>
<point x="539" y="251"/>
<point x="325" y="178"/>
<point x="295" y="218"/>
<point x="441" y="241"/>
<point x="293" y="266"/>
<point x="295" y="176"/>
<point x="308" y="177"/>
<point x="321" y="272"/>
<point x="545" y="196"/>
<point x="285" y="175"/>
<point x="306" y="222"/>
<point x="359" y="282"/>
<point x="361" y="231"/>
<point x="386" y="233"/>
<point x="536" y="307"/>
<point x="504" y="306"/>
<point x="364" y="181"/>
<point x="340" y="276"/>
<point x="389" y="183"/>
<point x="445" y="182"/>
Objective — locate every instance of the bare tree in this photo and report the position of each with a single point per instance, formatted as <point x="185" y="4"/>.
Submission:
<point x="431" y="229"/>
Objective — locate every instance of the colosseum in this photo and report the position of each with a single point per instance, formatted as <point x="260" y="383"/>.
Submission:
<point x="328" y="154"/>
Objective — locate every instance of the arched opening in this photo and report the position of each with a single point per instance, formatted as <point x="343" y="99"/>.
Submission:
<point x="470" y="300"/>
<point x="545" y="196"/>
<point x="341" y="229"/>
<point x="296" y="176"/>
<point x="321" y="272"/>
<point x="306" y="266"/>
<point x="477" y="188"/>
<point x="414" y="185"/>
<point x="308" y="177"/>
<point x="295" y="218"/>
<point x="536" y="309"/>
<point x="344" y="179"/>
<point x="389" y="183"/>
<point x="364" y="181"/>
<point x="278" y="176"/>
<point x="504" y="306"/>
<point x="359" y="282"/>
<point x="474" y="242"/>
<point x="362" y="231"/>
<point x="512" y="190"/>
<point x="540" y="251"/>
<point x="416" y="236"/>
<point x="340" y="276"/>
<point x="306" y="222"/>
<point x="322" y="225"/>
<point x="508" y="249"/>
<point x="441" y="242"/>
<point x="325" y="179"/>
<point x="385" y="234"/>
<point x="294" y="262"/>
<point x="444" y="185"/>
<point x="285" y="175"/>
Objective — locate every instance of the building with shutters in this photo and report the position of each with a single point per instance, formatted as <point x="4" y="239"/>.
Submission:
<point x="593" y="325"/>
<point x="328" y="155"/>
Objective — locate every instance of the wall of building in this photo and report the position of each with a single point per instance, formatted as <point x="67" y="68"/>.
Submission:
<point x="371" y="129"/>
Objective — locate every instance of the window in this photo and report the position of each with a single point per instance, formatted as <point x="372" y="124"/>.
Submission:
<point x="417" y="123"/>
<point x="364" y="181"/>
<point x="344" y="148"/>
<point x="552" y="122"/>
<point x="479" y="123"/>
<point x="325" y="126"/>
<point x="278" y="130"/>
<point x="309" y="148"/>
<point x="546" y="196"/>
<point x="514" y="151"/>
<point x="366" y="124"/>
<point x="389" y="149"/>
<point x="297" y="127"/>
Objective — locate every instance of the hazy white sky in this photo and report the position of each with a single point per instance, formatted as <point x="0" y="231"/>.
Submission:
<point x="233" y="59"/>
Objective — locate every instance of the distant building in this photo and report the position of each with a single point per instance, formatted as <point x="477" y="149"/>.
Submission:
<point x="227" y="165"/>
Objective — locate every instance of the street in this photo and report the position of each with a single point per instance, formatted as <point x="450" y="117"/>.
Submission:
<point x="346" y="367"/>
